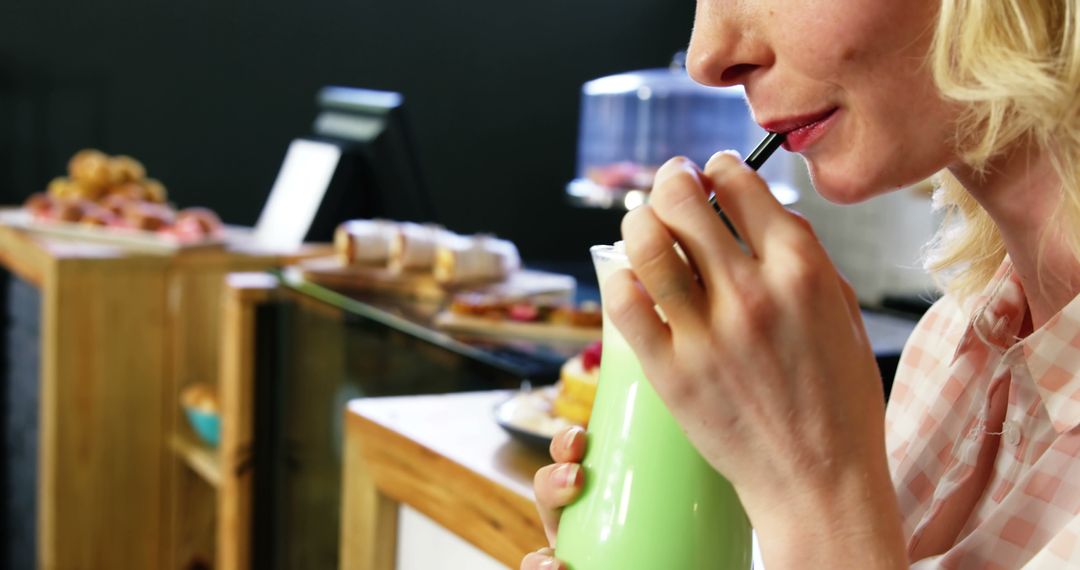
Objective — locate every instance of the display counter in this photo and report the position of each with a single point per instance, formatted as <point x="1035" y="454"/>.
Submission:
<point x="295" y="354"/>
<point x="99" y="341"/>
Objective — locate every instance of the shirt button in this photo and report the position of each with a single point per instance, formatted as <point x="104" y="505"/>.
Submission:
<point x="1011" y="433"/>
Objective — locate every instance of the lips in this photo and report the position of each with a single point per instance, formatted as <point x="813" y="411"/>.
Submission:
<point x="801" y="131"/>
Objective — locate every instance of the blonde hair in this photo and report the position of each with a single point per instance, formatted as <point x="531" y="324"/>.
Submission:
<point x="1014" y="66"/>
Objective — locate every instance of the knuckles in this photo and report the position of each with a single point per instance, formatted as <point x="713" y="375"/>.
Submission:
<point x="727" y="170"/>
<point x="619" y="298"/>
<point x="676" y="192"/>
<point x="755" y="310"/>
<point x="806" y="273"/>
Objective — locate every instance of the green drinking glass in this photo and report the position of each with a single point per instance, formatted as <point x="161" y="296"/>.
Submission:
<point x="650" y="501"/>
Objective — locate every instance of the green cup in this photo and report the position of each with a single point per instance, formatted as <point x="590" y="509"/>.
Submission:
<point x="650" y="501"/>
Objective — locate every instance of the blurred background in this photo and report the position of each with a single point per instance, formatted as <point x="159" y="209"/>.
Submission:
<point x="208" y="95"/>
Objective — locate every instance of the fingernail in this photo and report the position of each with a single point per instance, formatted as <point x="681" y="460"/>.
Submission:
<point x="723" y="153"/>
<point x="548" y="564"/>
<point x="671" y="168"/>
<point x="566" y="475"/>
<point x="571" y="438"/>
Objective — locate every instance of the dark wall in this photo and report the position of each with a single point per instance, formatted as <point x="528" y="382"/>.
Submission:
<point x="208" y="94"/>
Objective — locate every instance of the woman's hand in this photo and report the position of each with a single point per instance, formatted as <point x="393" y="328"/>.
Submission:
<point x="556" y="486"/>
<point x="763" y="358"/>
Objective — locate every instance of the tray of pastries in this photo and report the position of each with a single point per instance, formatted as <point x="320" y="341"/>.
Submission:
<point x="427" y="261"/>
<point x="110" y="199"/>
<point x="540" y="319"/>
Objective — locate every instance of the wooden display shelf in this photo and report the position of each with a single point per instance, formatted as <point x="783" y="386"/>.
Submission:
<point x="201" y="458"/>
<point x="120" y="333"/>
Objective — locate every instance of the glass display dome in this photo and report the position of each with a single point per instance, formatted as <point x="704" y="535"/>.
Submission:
<point x="631" y="123"/>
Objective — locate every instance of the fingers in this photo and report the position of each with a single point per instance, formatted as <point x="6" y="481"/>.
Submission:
<point x="568" y="445"/>
<point x="748" y="203"/>
<point x="854" y="311"/>
<point x="632" y="312"/>
<point x="679" y="202"/>
<point x="559" y="484"/>
<point x="543" y="559"/>
<point x="556" y="486"/>
<point x="669" y="281"/>
<point x="851" y="300"/>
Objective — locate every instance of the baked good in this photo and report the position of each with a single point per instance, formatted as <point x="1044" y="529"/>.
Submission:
<point x="155" y="191"/>
<point x="91" y="168"/>
<point x="131" y="190"/>
<point x="199" y="397"/>
<point x="413" y="246"/>
<point x="474" y="259"/>
<point x="578" y="379"/>
<point x="70" y="210"/>
<point x="39" y="205"/>
<point x="364" y="242"/>
<point x="98" y="216"/>
<point x="588" y="314"/>
<point x="116" y="203"/>
<point x="106" y="191"/>
<point x="195" y="223"/>
<point x="125" y="169"/>
<point x="148" y="217"/>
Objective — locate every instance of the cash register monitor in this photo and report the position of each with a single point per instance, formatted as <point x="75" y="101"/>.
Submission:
<point x="359" y="162"/>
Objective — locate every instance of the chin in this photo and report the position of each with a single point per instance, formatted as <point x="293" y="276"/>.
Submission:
<point x="840" y="187"/>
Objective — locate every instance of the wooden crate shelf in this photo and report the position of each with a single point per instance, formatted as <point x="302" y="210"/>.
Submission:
<point x="201" y="458"/>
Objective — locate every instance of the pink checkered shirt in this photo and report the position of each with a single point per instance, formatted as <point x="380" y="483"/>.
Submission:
<point x="982" y="434"/>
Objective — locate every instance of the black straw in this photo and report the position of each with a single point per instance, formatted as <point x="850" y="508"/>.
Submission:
<point x="754" y="160"/>
<point x="764" y="150"/>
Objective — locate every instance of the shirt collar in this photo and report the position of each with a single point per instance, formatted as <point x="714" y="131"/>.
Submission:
<point x="1051" y="353"/>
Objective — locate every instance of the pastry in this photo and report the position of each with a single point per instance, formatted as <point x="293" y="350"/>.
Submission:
<point x="116" y="203"/>
<point x="124" y="169"/>
<point x="98" y="216"/>
<point x="70" y="210"/>
<point x="364" y="242"/>
<point x="195" y="223"/>
<point x="578" y="379"/>
<point x="39" y="205"/>
<point x="129" y="190"/>
<point x="91" y="168"/>
<point x="463" y="259"/>
<point x="155" y="191"/>
<point x="586" y="315"/>
<point x="200" y="397"/>
<point x="114" y="192"/>
<point x="148" y="217"/>
<point x="413" y="246"/>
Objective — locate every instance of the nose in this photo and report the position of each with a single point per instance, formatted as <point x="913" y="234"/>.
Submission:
<point x="726" y="47"/>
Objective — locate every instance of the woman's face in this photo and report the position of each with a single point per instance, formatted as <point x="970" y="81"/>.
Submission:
<point x="855" y="70"/>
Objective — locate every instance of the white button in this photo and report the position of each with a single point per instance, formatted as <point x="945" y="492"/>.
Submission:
<point x="1011" y="433"/>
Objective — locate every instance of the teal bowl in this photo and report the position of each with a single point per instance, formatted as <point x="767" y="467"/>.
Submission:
<point x="206" y="424"/>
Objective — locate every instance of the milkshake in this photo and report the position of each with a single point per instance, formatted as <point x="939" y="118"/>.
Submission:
<point x="650" y="501"/>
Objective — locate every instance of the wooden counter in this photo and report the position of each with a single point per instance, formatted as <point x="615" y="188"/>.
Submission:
<point x="121" y="333"/>
<point x="445" y="457"/>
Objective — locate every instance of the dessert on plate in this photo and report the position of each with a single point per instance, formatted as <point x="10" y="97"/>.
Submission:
<point x="577" y="385"/>
<point x="114" y="192"/>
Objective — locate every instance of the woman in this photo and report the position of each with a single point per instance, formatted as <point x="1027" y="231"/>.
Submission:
<point x="764" y="360"/>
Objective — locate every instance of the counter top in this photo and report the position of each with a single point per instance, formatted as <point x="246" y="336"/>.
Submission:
<point x="445" y="457"/>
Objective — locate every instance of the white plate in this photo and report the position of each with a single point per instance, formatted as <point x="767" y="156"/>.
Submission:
<point x="136" y="240"/>
<point x="527" y="417"/>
